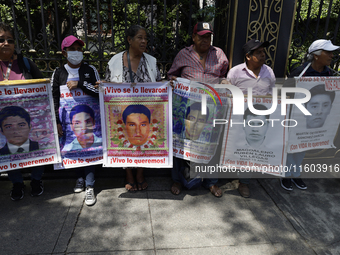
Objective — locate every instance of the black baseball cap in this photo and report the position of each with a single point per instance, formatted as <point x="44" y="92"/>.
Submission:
<point x="202" y="28"/>
<point x="253" y="45"/>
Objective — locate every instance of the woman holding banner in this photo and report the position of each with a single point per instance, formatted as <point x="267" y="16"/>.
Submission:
<point x="134" y="65"/>
<point x="77" y="74"/>
<point x="318" y="58"/>
<point x="16" y="67"/>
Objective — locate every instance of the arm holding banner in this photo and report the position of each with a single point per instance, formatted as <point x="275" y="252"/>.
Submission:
<point x="198" y="62"/>
<point x="22" y="69"/>
<point x="87" y="83"/>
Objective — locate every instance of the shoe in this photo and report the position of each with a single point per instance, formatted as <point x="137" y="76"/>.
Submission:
<point x="17" y="192"/>
<point x="37" y="188"/>
<point x="299" y="183"/>
<point x="80" y="185"/>
<point x="243" y="189"/>
<point x="286" y="183"/>
<point x="90" y="198"/>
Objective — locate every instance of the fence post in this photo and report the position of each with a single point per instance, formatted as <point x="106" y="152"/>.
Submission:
<point x="265" y="20"/>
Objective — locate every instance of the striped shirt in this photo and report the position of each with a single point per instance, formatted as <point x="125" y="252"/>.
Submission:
<point x="187" y="65"/>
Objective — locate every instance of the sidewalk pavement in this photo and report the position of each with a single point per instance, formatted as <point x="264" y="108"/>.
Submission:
<point x="272" y="221"/>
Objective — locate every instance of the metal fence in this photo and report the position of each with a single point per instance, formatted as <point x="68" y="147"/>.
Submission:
<point x="41" y="25"/>
<point x="314" y="20"/>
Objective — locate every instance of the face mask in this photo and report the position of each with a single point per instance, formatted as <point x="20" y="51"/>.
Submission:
<point x="74" y="57"/>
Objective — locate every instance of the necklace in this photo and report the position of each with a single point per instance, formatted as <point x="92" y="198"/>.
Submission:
<point x="200" y="56"/>
<point x="5" y="74"/>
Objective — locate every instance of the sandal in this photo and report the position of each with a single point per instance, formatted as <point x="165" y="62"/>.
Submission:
<point x="216" y="191"/>
<point x="140" y="185"/>
<point x="176" y="188"/>
<point x="133" y="187"/>
<point x="130" y="181"/>
<point x="140" y="177"/>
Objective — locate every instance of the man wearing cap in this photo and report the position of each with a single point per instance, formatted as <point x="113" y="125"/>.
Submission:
<point x="318" y="58"/>
<point x="255" y="74"/>
<point x="198" y="62"/>
<point x="76" y="74"/>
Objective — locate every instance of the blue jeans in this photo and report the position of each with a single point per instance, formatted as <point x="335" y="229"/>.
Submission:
<point x="179" y="164"/>
<point x="88" y="174"/>
<point x="16" y="176"/>
<point x="294" y="161"/>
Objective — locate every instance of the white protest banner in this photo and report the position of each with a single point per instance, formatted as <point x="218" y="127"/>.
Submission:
<point x="316" y="131"/>
<point x="195" y="138"/>
<point x="81" y="143"/>
<point x="136" y="122"/>
<point x="256" y="143"/>
<point x="28" y="134"/>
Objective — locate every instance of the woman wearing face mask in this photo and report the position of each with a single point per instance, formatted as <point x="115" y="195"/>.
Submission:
<point x="76" y="74"/>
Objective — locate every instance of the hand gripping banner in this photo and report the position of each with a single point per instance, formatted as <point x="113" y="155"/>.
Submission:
<point x="28" y="134"/>
<point x="81" y="143"/>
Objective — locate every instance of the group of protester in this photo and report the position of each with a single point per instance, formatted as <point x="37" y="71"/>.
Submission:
<point x="199" y="62"/>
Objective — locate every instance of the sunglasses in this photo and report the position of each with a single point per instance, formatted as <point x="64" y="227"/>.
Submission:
<point x="9" y="41"/>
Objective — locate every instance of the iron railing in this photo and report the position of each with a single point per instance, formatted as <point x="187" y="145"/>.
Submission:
<point x="314" y="20"/>
<point x="41" y="25"/>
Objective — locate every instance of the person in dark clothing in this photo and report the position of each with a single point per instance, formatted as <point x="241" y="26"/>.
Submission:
<point x="16" y="67"/>
<point x="76" y="74"/>
<point x="318" y="58"/>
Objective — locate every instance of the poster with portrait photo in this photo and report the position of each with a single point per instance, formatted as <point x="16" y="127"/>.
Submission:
<point x="195" y="138"/>
<point x="81" y="143"/>
<point x="256" y="143"/>
<point x="316" y="131"/>
<point x="136" y="124"/>
<point x="28" y="130"/>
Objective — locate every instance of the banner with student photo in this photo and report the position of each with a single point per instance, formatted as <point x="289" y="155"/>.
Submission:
<point x="81" y="143"/>
<point x="318" y="130"/>
<point x="28" y="132"/>
<point x="255" y="143"/>
<point x="136" y="121"/>
<point x="195" y="138"/>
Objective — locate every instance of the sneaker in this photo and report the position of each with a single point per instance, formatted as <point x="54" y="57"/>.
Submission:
<point x="286" y="183"/>
<point x="37" y="188"/>
<point x="299" y="183"/>
<point x="90" y="198"/>
<point x="17" y="192"/>
<point x="243" y="189"/>
<point x="80" y="185"/>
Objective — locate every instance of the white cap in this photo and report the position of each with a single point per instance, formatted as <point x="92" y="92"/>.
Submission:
<point x="322" y="44"/>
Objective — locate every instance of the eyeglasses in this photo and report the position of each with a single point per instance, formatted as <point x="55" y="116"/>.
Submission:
<point x="9" y="41"/>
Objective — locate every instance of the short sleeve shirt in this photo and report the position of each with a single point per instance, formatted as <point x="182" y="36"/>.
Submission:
<point x="187" y="65"/>
<point x="244" y="78"/>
